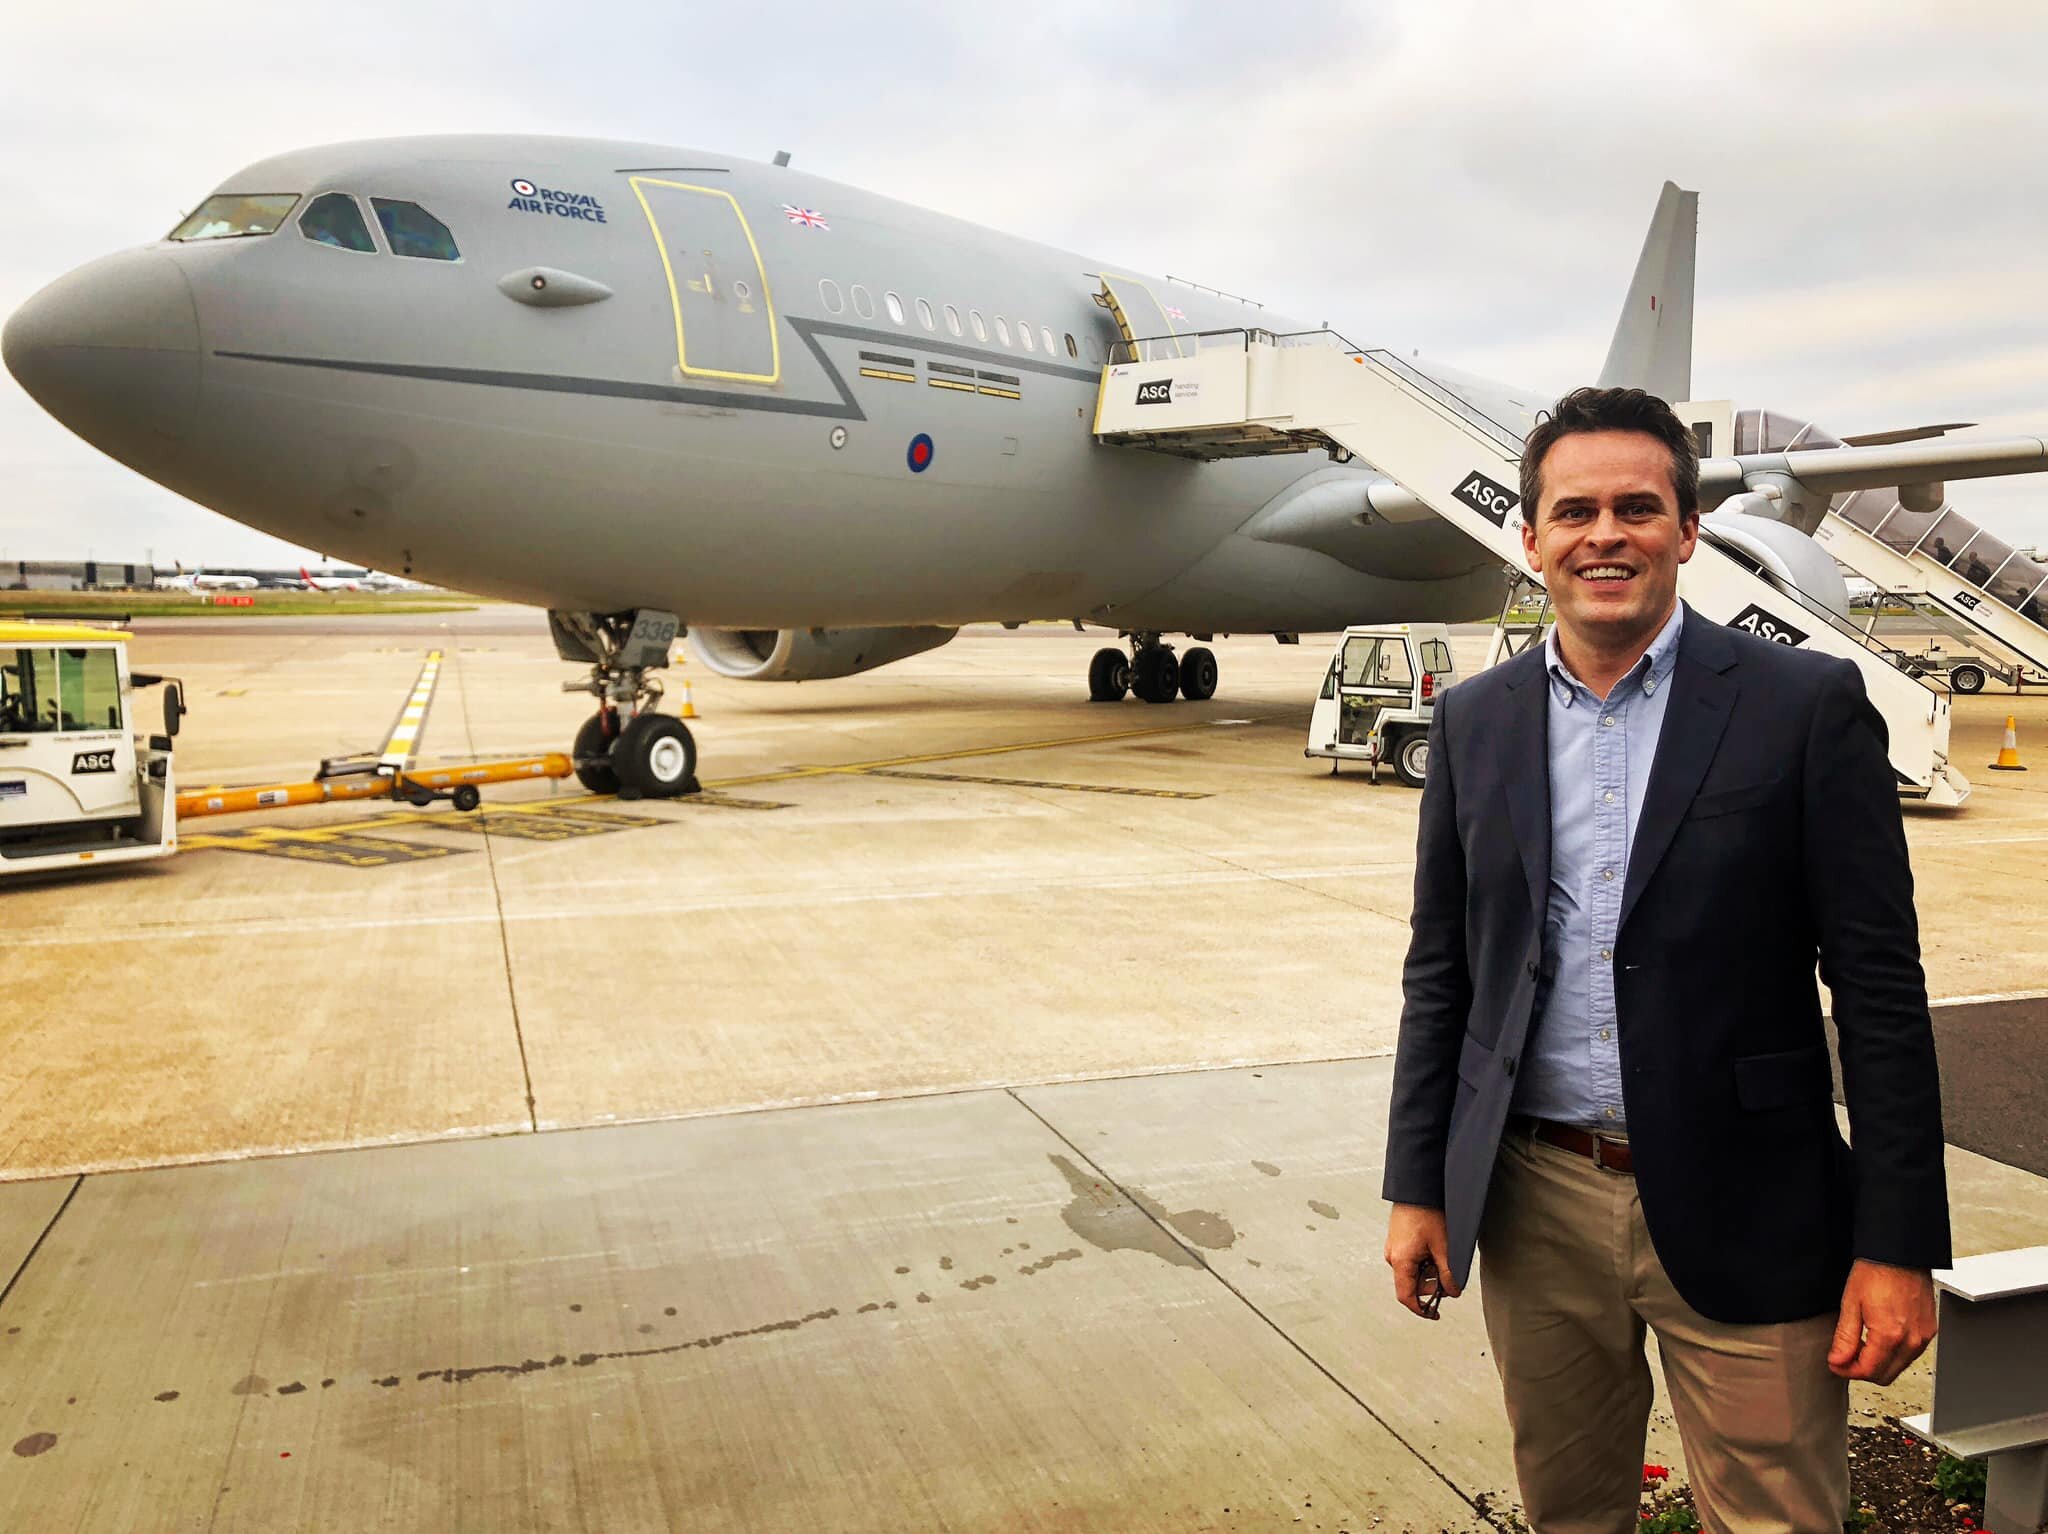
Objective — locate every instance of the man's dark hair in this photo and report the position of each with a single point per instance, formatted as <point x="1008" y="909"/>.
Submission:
<point x="1591" y="409"/>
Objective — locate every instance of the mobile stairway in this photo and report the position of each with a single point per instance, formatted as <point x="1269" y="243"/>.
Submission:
<point x="1236" y="393"/>
<point x="1991" y="594"/>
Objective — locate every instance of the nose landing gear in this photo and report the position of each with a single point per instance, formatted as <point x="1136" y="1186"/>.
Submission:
<point x="1152" y="672"/>
<point x="626" y="747"/>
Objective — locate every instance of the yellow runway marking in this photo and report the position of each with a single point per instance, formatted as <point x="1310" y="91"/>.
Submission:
<point x="1071" y="788"/>
<point x="711" y="797"/>
<point x="965" y="754"/>
<point x="404" y="739"/>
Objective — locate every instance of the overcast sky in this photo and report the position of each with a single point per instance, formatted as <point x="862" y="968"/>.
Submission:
<point x="1469" y="179"/>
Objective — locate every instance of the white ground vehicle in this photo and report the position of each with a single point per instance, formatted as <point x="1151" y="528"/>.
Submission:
<point x="1378" y="695"/>
<point x="77" y="786"/>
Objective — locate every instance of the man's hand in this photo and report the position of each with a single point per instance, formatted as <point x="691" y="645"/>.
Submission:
<point x="1419" y="1252"/>
<point x="1887" y="1321"/>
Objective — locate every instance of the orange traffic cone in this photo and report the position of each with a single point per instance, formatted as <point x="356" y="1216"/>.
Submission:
<point x="2009" y="752"/>
<point x="689" y="708"/>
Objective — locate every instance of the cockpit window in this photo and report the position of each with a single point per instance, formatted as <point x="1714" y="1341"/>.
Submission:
<point x="334" y="219"/>
<point x="413" y="231"/>
<point x="233" y="215"/>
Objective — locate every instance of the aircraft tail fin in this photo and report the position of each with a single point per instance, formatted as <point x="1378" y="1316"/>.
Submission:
<point x="1652" y="345"/>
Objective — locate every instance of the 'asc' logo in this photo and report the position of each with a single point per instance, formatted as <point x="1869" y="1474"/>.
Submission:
<point x="93" y="761"/>
<point x="1491" y="499"/>
<point x="1754" y="620"/>
<point x="1158" y="392"/>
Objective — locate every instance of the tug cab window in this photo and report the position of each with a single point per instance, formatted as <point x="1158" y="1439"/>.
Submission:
<point x="413" y="231"/>
<point x="51" y="691"/>
<point x="234" y="216"/>
<point x="334" y="219"/>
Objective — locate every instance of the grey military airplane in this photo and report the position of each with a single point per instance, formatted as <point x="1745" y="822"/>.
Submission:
<point x="661" y="391"/>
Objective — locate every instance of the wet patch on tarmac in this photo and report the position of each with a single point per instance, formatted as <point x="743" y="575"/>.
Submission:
<point x="1109" y="1222"/>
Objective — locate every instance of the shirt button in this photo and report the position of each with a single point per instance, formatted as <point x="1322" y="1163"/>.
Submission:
<point x="1607" y="1113"/>
<point x="1607" y="874"/>
<point x="1608" y="721"/>
<point x="1605" y="1033"/>
<point x="1608" y="797"/>
<point x="1606" y="953"/>
<point x="1649" y="687"/>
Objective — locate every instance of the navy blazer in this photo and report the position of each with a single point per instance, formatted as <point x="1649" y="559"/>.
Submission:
<point x="1770" y="835"/>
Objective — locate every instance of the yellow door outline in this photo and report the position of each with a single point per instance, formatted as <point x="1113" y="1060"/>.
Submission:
<point x="675" y="303"/>
<point x="1110" y="280"/>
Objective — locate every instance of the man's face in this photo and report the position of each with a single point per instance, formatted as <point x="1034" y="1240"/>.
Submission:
<point x="1607" y="539"/>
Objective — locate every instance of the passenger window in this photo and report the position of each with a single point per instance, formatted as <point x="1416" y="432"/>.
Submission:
<point x="233" y="216"/>
<point x="1024" y="335"/>
<point x="1002" y="330"/>
<point x="953" y="319"/>
<point x="413" y="231"/>
<point x="1045" y="334"/>
<point x="974" y="319"/>
<point x="828" y="290"/>
<point x="924" y="315"/>
<point x="90" y="686"/>
<point x="1072" y="349"/>
<point x="863" y="303"/>
<point x="895" y="307"/>
<point x="334" y="219"/>
<point x="28" y="690"/>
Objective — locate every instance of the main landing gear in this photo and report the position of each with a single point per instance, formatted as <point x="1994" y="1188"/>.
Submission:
<point x="626" y="747"/>
<point x="1153" y="672"/>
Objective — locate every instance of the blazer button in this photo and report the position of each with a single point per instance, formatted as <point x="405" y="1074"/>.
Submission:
<point x="1508" y="1065"/>
<point x="1534" y="969"/>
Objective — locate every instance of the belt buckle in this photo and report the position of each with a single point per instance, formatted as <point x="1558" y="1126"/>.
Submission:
<point x="1600" y="1145"/>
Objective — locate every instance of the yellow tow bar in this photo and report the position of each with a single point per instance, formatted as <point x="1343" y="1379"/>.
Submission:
<point x="373" y="780"/>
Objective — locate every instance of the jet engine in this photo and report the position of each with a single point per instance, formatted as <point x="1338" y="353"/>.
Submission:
<point x="1784" y="552"/>
<point x="808" y="655"/>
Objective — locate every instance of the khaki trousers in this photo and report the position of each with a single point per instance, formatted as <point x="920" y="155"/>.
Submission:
<point x="1569" y="1285"/>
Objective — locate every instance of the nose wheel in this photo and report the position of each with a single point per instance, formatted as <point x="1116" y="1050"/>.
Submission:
<point x="626" y="747"/>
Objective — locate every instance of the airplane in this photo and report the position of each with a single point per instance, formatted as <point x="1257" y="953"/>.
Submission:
<point x="813" y="430"/>
<point x="199" y="580"/>
<point x="310" y="582"/>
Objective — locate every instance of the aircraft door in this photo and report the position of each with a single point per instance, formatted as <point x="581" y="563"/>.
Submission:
<point x="718" y="288"/>
<point x="1144" y="320"/>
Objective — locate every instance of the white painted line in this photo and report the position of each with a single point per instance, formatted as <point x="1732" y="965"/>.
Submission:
<point x="1988" y="996"/>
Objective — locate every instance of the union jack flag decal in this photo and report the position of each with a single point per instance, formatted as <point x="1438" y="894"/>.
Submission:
<point x="808" y="218"/>
<point x="1175" y="314"/>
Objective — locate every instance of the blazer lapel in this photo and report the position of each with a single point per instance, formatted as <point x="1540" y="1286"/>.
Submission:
<point x="1702" y="696"/>
<point x="1526" y="751"/>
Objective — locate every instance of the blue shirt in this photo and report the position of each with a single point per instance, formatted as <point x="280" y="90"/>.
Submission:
<point x="1600" y="756"/>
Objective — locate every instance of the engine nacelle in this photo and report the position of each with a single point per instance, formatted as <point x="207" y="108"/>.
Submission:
<point x="1784" y="551"/>
<point x="808" y="655"/>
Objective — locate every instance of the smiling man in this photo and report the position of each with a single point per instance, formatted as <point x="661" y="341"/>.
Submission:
<point x="1613" y="1079"/>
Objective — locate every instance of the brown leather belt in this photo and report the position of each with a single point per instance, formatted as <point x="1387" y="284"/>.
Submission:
<point x="1608" y="1155"/>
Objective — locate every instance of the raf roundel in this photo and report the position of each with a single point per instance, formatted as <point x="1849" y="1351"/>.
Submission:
<point x="920" y="455"/>
<point x="523" y="187"/>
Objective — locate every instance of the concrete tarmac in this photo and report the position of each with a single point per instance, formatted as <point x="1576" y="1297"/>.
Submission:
<point x="1124" y="975"/>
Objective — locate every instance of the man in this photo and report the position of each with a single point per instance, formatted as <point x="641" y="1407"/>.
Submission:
<point x="1612" y="1073"/>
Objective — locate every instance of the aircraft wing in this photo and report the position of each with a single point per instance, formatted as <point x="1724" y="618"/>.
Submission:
<point x="1827" y="471"/>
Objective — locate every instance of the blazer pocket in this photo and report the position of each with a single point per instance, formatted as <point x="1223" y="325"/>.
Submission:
<point x="1475" y="1063"/>
<point x="1726" y="801"/>
<point x="1785" y="1079"/>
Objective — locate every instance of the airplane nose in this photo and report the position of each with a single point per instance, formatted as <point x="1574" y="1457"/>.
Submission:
<point x="112" y="351"/>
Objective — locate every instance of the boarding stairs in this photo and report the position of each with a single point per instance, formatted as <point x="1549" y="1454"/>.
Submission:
<point x="1247" y="391"/>
<point x="1918" y="578"/>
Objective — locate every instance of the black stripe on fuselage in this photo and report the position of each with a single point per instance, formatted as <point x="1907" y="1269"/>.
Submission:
<point x="845" y="408"/>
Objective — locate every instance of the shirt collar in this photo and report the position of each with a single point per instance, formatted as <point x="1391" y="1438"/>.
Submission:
<point x="1652" y="671"/>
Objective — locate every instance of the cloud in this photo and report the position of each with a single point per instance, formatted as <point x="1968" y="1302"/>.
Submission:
<point x="1468" y="179"/>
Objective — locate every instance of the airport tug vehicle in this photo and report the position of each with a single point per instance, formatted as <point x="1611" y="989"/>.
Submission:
<point x="1378" y="696"/>
<point x="78" y="784"/>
